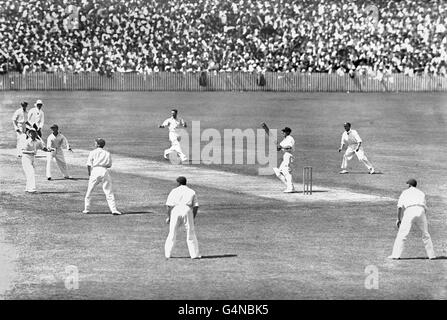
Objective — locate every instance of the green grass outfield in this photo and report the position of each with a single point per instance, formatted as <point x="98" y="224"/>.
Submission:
<point x="255" y="247"/>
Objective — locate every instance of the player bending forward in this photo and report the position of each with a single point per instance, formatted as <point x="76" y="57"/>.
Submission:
<point x="173" y="123"/>
<point x="98" y="164"/>
<point x="182" y="206"/>
<point x="354" y="146"/>
<point x="284" y="172"/>
<point x="56" y="141"/>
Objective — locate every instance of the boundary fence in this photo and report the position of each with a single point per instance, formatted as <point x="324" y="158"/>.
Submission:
<point x="222" y="81"/>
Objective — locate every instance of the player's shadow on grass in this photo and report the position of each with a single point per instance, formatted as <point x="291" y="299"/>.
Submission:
<point x="74" y="179"/>
<point x="364" y="172"/>
<point x="424" y="258"/>
<point x="139" y="212"/>
<point x="123" y="213"/>
<point x="217" y="256"/>
<point x="56" y="192"/>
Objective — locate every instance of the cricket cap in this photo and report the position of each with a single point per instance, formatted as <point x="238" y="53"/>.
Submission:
<point x="100" y="142"/>
<point x="412" y="182"/>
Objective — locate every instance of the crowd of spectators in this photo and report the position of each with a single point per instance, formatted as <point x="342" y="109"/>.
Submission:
<point x="334" y="36"/>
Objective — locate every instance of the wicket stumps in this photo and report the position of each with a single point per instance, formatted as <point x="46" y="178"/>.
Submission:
<point x="307" y="180"/>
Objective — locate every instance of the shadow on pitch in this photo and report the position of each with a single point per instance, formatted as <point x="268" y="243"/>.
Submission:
<point x="217" y="256"/>
<point x="313" y="191"/>
<point x="363" y="172"/>
<point x="424" y="258"/>
<point x="74" y="179"/>
<point x="55" y="192"/>
<point x="123" y="213"/>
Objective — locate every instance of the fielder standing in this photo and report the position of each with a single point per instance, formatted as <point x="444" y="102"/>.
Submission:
<point x="182" y="207"/>
<point x="36" y="117"/>
<point x="411" y="209"/>
<point x="354" y="146"/>
<point x="284" y="172"/>
<point x="98" y="164"/>
<point x="29" y="146"/>
<point x="19" y="120"/>
<point x="173" y="123"/>
<point x="57" y="141"/>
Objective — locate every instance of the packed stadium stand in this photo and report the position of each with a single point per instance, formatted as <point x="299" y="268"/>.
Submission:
<point x="406" y="36"/>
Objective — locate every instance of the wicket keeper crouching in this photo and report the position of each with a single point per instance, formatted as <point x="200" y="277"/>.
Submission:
<point x="182" y="206"/>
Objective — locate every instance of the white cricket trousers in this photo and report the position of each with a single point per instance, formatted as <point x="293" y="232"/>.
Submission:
<point x="98" y="175"/>
<point x="417" y="216"/>
<point x="175" y="146"/>
<point x="360" y="155"/>
<point x="19" y="146"/>
<point x="58" y="155"/>
<point x="28" y="169"/>
<point x="284" y="173"/>
<point x="182" y="214"/>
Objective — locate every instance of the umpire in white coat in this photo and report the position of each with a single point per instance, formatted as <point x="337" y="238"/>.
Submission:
<point x="182" y="207"/>
<point x="411" y="208"/>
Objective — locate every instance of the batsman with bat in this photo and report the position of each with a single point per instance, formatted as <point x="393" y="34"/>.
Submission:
<point x="284" y="172"/>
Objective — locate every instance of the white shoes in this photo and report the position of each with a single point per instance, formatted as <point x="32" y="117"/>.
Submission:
<point x="343" y="171"/>
<point x="289" y="191"/>
<point x="393" y="258"/>
<point x="116" y="213"/>
<point x="86" y="211"/>
<point x="372" y="171"/>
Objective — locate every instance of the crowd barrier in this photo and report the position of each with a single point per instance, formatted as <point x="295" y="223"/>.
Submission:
<point x="222" y="81"/>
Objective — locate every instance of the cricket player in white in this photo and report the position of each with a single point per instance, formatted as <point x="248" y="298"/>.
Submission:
<point x="354" y="146"/>
<point x="284" y="172"/>
<point x="19" y="119"/>
<point x="36" y="117"/>
<point x="29" y="146"/>
<point x="182" y="207"/>
<point x="98" y="163"/>
<point x="57" y="141"/>
<point x="173" y="123"/>
<point x="412" y="206"/>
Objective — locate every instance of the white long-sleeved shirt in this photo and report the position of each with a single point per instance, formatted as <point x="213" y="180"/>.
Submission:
<point x="57" y="142"/>
<point x="412" y="197"/>
<point x="173" y="124"/>
<point x="350" y="138"/>
<point x="288" y="142"/>
<point x="36" y="116"/>
<point x="27" y="144"/>
<point x="99" y="158"/>
<point x="19" y="118"/>
<point x="182" y="195"/>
